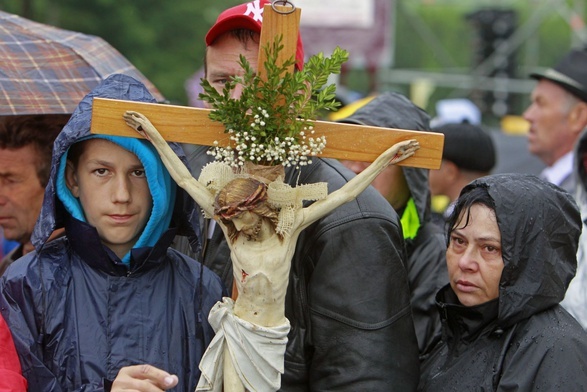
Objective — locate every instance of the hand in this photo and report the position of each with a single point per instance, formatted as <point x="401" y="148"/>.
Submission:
<point x="143" y="378"/>
<point x="402" y="150"/>
<point x="138" y="122"/>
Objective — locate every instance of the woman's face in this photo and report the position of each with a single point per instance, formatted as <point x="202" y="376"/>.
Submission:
<point x="474" y="257"/>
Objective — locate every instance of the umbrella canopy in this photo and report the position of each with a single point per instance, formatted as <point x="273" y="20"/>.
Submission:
<point x="47" y="70"/>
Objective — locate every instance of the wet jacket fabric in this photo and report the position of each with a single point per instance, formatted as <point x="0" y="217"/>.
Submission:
<point x="10" y="257"/>
<point x="347" y="299"/>
<point x="523" y="340"/>
<point x="576" y="297"/>
<point x="427" y="249"/>
<point x="78" y="314"/>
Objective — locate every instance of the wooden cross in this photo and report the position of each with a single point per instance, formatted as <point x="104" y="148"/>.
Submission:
<point x="193" y="125"/>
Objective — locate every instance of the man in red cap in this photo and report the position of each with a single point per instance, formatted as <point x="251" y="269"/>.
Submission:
<point x="557" y="115"/>
<point x="348" y="300"/>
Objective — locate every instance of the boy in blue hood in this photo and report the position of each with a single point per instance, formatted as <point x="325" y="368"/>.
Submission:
<point x="110" y="306"/>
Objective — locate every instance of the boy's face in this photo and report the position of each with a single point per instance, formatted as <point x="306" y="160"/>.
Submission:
<point x="112" y="188"/>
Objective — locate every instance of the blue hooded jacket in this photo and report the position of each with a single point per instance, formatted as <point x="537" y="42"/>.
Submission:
<point x="78" y="313"/>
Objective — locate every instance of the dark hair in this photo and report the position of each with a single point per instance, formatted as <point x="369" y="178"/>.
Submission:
<point x="461" y="213"/>
<point x="243" y="35"/>
<point x="39" y="131"/>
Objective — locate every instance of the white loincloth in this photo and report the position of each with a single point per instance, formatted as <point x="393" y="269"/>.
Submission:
<point x="257" y="352"/>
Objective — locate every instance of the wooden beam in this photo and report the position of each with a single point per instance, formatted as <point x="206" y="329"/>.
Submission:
<point x="284" y="23"/>
<point x="193" y="126"/>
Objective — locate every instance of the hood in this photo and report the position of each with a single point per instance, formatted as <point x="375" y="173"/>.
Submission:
<point x="540" y="226"/>
<point x="393" y="110"/>
<point x="170" y="205"/>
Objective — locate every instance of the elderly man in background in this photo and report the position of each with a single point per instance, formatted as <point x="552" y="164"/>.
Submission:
<point x="557" y="115"/>
<point x="26" y="144"/>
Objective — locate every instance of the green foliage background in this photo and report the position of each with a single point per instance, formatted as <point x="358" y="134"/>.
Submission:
<point x="165" y="40"/>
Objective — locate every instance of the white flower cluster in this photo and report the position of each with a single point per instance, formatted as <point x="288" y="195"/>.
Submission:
<point x="258" y="145"/>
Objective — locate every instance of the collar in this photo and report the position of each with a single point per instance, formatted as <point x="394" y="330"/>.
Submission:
<point x="85" y="241"/>
<point x="465" y="322"/>
<point x="561" y="169"/>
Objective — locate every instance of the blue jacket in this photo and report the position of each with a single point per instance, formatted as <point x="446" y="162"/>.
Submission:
<point x="78" y="314"/>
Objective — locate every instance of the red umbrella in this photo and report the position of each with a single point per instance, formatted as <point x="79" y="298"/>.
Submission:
<point x="47" y="70"/>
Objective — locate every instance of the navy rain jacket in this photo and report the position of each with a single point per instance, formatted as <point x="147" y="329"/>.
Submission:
<point x="78" y="314"/>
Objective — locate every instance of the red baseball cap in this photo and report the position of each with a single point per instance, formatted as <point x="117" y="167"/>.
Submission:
<point x="247" y="16"/>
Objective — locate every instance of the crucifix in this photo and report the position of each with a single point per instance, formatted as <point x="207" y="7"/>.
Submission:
<point x="261" y="251"/>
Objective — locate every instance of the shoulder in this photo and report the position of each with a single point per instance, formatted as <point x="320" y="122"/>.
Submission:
<point x="49" y="269"/>
<point x="548" y="351"/>
<point x="50" y="255"/>
<point x="552" y="331"/>
<point x="193" y="272"/>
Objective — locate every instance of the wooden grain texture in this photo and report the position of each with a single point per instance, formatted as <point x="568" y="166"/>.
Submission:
<point x="193" y="126"/>
<point x="274" y="25"/>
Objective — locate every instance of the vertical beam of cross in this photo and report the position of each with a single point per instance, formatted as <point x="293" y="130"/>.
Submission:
<point x="284" y="21"/>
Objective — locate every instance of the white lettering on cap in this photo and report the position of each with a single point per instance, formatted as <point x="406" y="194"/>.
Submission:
<point x="255" y="9"/>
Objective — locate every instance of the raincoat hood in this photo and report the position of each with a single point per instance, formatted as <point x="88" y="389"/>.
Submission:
<point x="58" y="199"/>
<point x="393" y="110"/>
<point x="539" y="237"/>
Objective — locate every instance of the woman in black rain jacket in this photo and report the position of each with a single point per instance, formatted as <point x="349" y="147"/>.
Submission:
<point x="503" y="327"/>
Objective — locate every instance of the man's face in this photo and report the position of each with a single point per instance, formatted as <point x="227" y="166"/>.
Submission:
<point x="21" y="193"/>
<point x="222" y="61"/>
<point x="551" y="135"/>
<point x="112" y="188"/>
<point x="391" y="183"/>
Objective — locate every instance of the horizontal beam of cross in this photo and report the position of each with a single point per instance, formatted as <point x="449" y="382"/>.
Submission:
<point x="193" y="126"/>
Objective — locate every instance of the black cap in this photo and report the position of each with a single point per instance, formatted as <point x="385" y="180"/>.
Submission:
<point x="570" y="73"/>
<point x="468" y="146"/>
